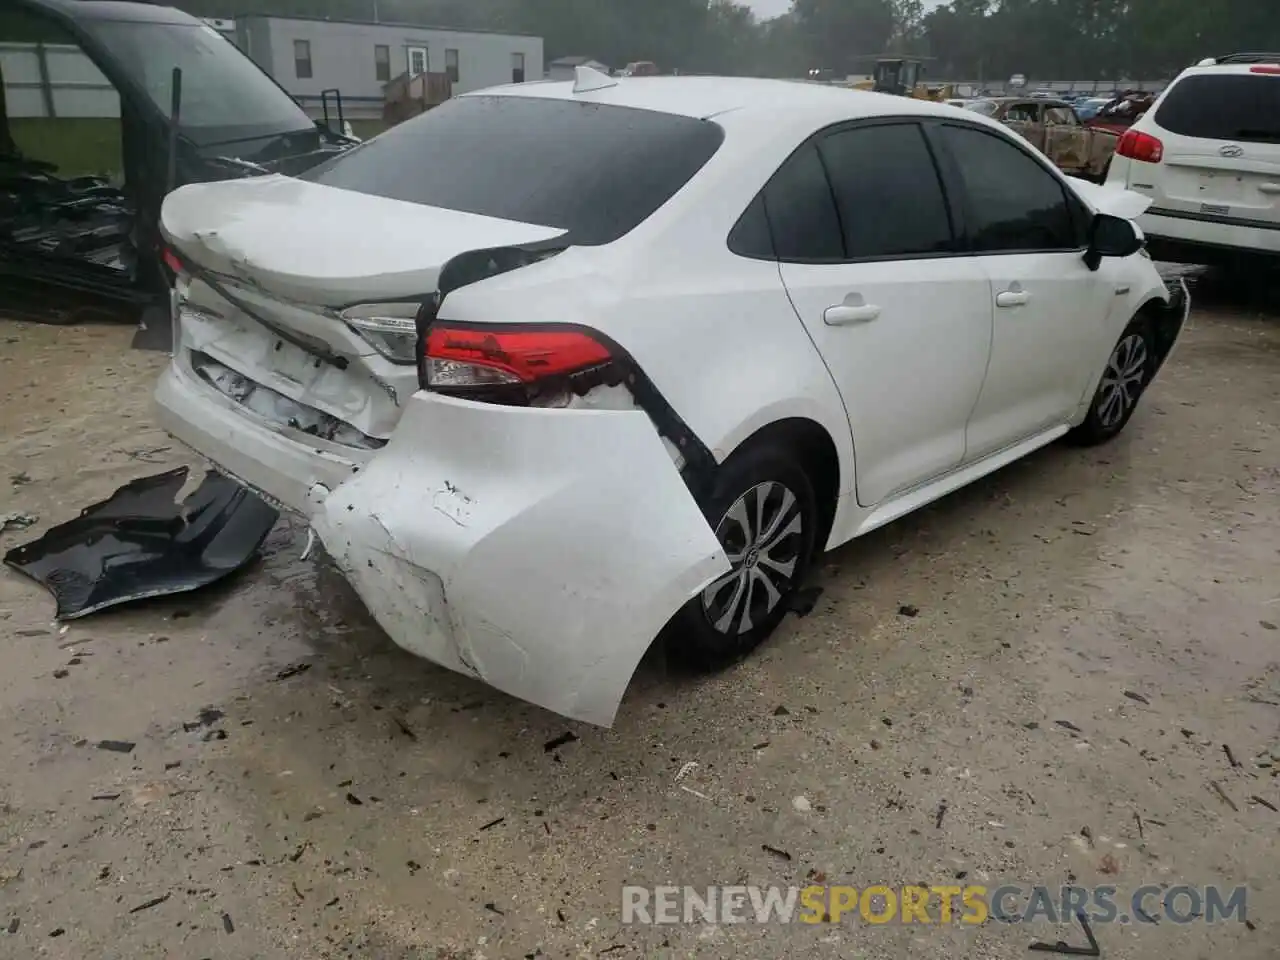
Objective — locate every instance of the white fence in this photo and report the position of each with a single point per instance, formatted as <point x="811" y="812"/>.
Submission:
<point x="54" y="80"/>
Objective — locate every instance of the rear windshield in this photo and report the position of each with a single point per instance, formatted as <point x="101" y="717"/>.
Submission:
<point x="595" y="171"/>
<point x="985" y="107"/>
<point x="1225" y="107"/>
<point x="225" y="95"/>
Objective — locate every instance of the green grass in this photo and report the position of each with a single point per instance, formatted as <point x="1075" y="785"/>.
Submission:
<point x="78" y="146"/>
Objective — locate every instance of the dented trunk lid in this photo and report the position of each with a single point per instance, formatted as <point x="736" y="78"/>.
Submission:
<point x="322" y="245"/>
<point x="275" y="263"/>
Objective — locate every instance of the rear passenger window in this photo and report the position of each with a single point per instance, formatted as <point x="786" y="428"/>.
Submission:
<point x="887" y="192"/>
<point x="1014" y="202"/>
<point x="802" y="212"/>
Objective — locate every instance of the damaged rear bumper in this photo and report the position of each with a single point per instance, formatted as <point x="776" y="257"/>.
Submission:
<point x="540" y="551"/>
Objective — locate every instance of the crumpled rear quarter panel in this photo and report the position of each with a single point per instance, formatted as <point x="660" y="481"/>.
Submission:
<point x="538" y="550"/>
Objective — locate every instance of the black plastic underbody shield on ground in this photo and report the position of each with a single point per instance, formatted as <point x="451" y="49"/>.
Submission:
<point x="141" y="543"/>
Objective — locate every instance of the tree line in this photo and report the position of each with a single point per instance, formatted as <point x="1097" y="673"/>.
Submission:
<point x="964" y="39"/>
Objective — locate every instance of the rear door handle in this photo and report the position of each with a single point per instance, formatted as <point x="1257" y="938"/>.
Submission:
<point x="844" y="314"/>
<point x="1012" y="298"/>
<point x="1269" y="187"/>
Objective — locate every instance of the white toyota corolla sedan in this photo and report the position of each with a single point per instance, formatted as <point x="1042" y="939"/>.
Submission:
<point x="557" y="368"/>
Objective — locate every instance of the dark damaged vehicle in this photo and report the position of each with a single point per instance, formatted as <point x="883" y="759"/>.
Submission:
<point x="193" y="108"/>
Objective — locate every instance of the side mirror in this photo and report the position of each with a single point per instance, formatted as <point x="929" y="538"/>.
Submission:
<point x="1110" y="237"/>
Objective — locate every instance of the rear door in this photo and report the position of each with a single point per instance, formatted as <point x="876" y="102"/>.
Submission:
<point x="1027" y="231"/>
<point x="1221" y="137"/>
<point x="903" y="320"/>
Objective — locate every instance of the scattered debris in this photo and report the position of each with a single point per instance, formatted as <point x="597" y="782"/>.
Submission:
<point x="206" y="717"/>
<point x="801" y="804"/>
<point x="1267" y="625"/>
<point x="293" y="671"/>
<point x="1217" y="788"/>
<point x="354" y="800"/>
<point x="14" y="924"/>
<point x="908" y="610"/>
<point x="17" y="521"/>
<point x="150" y="903"/>
<point x="781" y="711"/>
<point x="782" y="854"/>
<point x="105" y="796"/>
<point x="1136" y="696"/>
<point x="1108" y="865"/>
<point x="1065" y="948"/>
<point x="942" y="812"/>
<point x="61" y="674"/>
<point x="1068" y="725"/>
<point x="296" y="891"/>
<point x="1265" y="803"/>
<point x="227" y="925"/>
<point x="493" y="908"/>
<point x="57" y="931"/>
<point x="117" y="746"/>
<point x="1087" y="834"/>
<point x="1231" y="757"/>
<point x="685" y="770"/>
<point x="1137" y="818"/>
<point x="492" y="823"/>
<point x="297" y="853"/>
<point x="140" y="543"/>
<point x="761" y="745"/>
<point x="403" y="727"/>
<point x="560" y="741"/>
<point x="8" y="875"/>
<point x="218" y="734"/>
<point x="20" y="479"/>
<point x="802" y="602"/>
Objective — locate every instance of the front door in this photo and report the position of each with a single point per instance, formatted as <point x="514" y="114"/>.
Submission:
<point x="869" y="259"/>
<point x="1028" y="233"/>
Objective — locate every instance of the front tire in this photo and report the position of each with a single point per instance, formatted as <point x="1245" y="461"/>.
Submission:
<point x="1129" y="370"/>
<point x="763" y="510"/>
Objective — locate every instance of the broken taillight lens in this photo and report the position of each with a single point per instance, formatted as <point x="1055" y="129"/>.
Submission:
<point x="1136" y="145"/>
<point x="518" y="365"/>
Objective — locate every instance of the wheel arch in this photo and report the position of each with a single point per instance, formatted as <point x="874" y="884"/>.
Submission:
<point x="814" y="444"/>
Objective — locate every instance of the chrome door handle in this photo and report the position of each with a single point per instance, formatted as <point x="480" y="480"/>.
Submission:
<point x="1011" y="298"/>
<point x="844" y="314"/>
<point x="1122" y="290"/>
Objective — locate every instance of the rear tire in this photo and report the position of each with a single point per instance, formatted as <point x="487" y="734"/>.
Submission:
<point x="1129" y="370"/>
<point x="764" y="513"/>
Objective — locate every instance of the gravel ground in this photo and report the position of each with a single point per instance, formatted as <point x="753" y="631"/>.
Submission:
<point x="1093" y="649"/>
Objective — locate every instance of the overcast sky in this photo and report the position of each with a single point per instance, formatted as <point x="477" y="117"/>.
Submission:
<point x="772" y="8"/>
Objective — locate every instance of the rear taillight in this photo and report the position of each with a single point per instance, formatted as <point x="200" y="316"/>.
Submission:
<point x="1136" y="145"/>
<point x="1274" y="71"/>
<point x="173" y="263"/>
<point x="519" y="365"/>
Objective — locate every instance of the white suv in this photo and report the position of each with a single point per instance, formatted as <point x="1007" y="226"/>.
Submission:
<point x="1208" y="155"/>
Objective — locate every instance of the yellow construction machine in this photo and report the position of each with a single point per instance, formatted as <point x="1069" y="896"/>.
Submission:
<point x="903" y="77"/>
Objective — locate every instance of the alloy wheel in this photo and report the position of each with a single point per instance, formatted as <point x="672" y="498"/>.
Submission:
<point x="1123" y="380"/>
<point x="762" y="534"/>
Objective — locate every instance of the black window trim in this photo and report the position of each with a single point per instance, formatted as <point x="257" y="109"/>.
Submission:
<point x="953" y="178"/>
<point x="955" y="212"/>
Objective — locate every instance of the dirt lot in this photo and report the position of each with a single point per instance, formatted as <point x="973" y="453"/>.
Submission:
<point x="1093" y="629"/>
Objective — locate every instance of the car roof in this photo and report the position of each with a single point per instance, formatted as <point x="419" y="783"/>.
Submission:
<point x="706" y="97"/>
<point x="112" y="10"/>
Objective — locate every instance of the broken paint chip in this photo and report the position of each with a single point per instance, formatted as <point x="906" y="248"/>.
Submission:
<point x="140" y="543"/>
